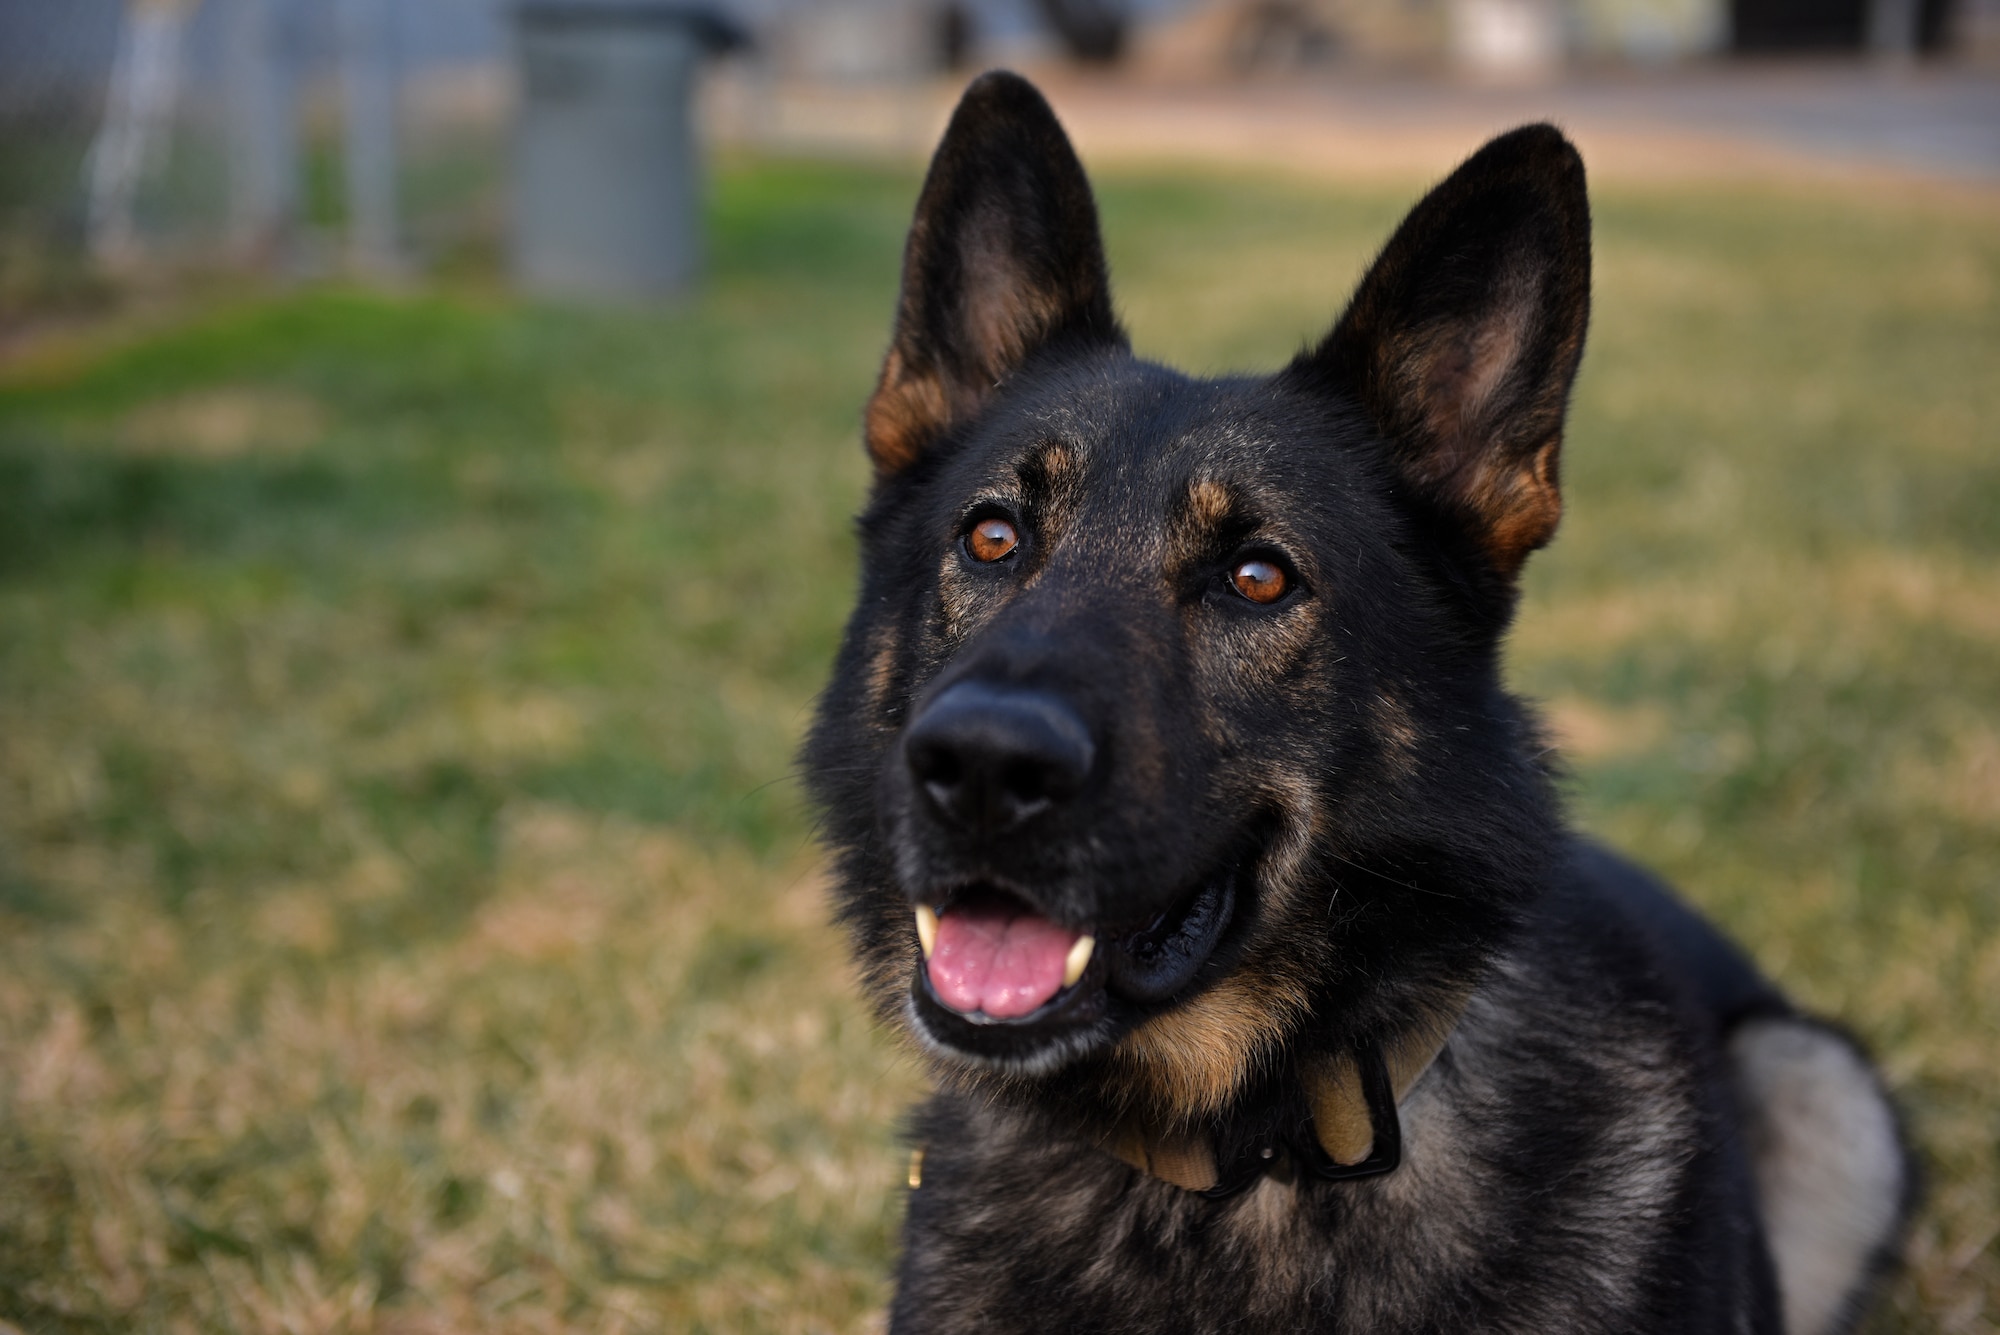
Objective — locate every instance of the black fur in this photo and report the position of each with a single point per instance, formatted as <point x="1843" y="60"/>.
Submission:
<point x="1336" y="781"/>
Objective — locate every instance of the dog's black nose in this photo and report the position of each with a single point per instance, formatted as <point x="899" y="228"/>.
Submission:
<point x="991" y="757"/>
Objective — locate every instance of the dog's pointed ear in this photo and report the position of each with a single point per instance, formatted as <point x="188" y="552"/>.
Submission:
<point x="1004" y="259"/>
<point x="1463" y="340"/>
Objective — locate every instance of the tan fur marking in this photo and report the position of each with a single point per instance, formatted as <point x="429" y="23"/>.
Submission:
<point x="1192" y="1059"/>
<point x="1189" y="1061"/>
<point x="1051" y="479"/>
<point x="1209" y="502"/>
<point x="906" y="411"/>
<point x="1452" y="388"/>
<point x="882" y="669"/>
<point x="959" y="599"/>
<point x="1207" y="505"/>
<point x="1003" y="321"/>
<point x="1399" y="734"/>
<point x="1297" y="797"/>
<point x="1521" y="504"/>
<point x="1062" y="465"/>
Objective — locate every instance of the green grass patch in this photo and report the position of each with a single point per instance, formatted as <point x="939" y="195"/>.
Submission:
<point x="407" y="917"/>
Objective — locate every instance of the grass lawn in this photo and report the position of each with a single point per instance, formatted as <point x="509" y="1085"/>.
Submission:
<point x="408" y="921"/>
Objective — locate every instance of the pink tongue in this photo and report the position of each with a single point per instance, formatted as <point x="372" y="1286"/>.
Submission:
<point x="1001" y="961"/>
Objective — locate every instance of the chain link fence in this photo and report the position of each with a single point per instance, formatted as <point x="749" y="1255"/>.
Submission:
<point x="296" y="137"/>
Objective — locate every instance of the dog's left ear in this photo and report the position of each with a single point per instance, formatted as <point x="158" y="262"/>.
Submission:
<point x="1003" y="260"/>
<point x="1463" y="340"/>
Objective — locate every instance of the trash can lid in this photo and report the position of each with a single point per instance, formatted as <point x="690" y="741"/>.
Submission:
<point x="714" y="26"/>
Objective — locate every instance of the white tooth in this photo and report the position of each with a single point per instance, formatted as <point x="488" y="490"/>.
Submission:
<point x="1078" y="959"/>
<point x="927" y="928"/>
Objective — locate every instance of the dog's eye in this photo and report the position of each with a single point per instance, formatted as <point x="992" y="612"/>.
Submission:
<point x="991" y="539"/>
<point x="1259" y="581"/>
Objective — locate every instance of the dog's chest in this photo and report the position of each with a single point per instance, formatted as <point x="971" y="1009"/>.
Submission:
<point x="1016" y="1229"/>
<point x="1086" y="1244"/>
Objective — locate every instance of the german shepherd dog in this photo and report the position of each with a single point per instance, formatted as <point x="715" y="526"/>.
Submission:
<point x="1182" y="818"/>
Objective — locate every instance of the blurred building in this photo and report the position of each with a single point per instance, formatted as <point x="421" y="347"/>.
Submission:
<point x="1503" y="36"/>
<point x="62" y="51"/>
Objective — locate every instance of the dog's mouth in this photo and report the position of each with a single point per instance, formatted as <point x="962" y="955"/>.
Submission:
<point x="992" y="958"/>
<point x="1003" y="981"/>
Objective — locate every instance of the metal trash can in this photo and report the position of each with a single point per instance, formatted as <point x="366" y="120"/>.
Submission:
<point x="607" y="180"/>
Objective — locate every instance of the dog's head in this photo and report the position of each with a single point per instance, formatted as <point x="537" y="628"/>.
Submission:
<point x="1168" y="733"/>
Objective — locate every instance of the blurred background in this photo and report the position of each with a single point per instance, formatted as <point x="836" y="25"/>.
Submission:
<point x="309" y="137"/>
<point x="428" y="441"/>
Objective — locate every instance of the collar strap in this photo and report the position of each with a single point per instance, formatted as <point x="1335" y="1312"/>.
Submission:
<point x="1353" y="1095"/>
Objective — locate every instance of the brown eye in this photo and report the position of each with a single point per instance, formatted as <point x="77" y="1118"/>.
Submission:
<point x="1259" y="581"/>
<point x="991" y="539"/>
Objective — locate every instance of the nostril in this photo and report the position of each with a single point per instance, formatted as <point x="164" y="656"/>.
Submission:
<point x="935" y="763"/>
<point x="1026" y="781"/>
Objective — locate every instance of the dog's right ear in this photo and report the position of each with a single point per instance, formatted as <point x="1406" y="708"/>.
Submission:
<point x="1004" y="259"/>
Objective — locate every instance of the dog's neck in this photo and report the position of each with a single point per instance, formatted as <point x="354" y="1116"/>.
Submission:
<point x="1352" y="1093"/>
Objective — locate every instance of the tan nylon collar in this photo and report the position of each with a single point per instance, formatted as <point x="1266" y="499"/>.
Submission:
<point x="1334" y="1091"/>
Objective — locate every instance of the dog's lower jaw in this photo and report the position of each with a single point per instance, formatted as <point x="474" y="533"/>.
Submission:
<point x="1074" y="1023"/>
<point x="1045" y="1059"/>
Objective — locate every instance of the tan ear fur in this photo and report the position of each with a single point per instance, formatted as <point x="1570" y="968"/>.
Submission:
<point x="1464" y="339"/>
<point x="1003" y="260"/>
<point x="904" y="414"/>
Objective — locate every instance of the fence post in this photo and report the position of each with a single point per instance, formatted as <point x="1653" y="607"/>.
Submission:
<point x="138" y="117"/>
<point x="1892" y="29"/>
<point x="369" y="102"/>
<point x="264" y="134"/>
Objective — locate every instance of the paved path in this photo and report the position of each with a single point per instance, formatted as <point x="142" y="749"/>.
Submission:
<point x="1932" y="121"/>
<point x="1819" y="120"/>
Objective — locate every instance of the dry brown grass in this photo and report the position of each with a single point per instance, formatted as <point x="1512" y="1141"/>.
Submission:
<point x="632" y="1094"/>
